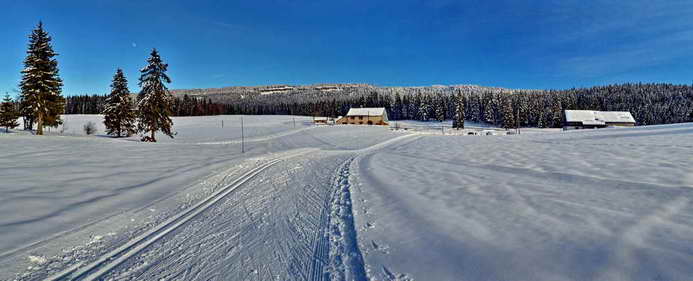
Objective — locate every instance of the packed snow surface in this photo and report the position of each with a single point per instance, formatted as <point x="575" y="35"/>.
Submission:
<point x="342" y="202"/>
<point x="611" y="204"/>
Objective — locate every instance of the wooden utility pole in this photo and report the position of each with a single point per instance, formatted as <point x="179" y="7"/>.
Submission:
<point x="242" y="137"/>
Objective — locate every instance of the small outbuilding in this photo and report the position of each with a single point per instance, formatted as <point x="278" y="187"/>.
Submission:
<point x="365" y="116"/>
<point x="320" y="120"/>
<point x="589" y="119"/>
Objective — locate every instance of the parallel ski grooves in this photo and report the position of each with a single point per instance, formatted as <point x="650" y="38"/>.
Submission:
<point x="140" y="242"/>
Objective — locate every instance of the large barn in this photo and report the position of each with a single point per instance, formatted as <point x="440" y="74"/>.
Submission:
<point x="365" y="116"/>
<point x="589" y="119"/>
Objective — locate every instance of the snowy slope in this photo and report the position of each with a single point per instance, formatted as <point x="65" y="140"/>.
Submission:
<point x="611" y="204"/>
<point x="347" y="203"/>
<point x="195" y="129"/>
<point x="59" y="192"/>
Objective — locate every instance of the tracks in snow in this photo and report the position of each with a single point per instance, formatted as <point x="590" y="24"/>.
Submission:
<point x="104" y="264"/>
<point x="336" y="255"/>
<point x="335" y="252"/>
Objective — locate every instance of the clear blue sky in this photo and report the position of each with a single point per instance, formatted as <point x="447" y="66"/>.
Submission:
<point x="507" y="43"/>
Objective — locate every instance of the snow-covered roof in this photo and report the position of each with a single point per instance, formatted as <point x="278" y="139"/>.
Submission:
<point x="579" y="115"/>
<point x="368" y="111"/>
<point x="589" y="117"/>
<point x="616" y="116"/>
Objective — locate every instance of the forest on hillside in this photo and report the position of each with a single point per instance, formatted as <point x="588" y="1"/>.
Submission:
<point x="650" y="104"/>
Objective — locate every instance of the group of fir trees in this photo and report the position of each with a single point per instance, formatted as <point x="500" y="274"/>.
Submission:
<point x="41" y="102"/>
<point x="650" y="104"/>
<point x="180" y="106"/>
<point x="153" y="110"/>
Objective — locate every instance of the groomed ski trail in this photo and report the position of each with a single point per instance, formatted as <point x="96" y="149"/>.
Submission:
<point x="106" y="262"/>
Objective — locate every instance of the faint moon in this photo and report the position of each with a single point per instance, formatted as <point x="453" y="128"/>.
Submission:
<point x="134" y="45"/>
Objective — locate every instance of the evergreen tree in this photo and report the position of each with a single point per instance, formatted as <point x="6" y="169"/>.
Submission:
<point x="26" y="113"/>
<point x="119" y="116"/>
<point x="8" y="114"/>
<point x="439" y="110"/>
<point x="541" y="121"/>
<point x="458" y="121"/>
<point x="423" y="111"/>
<point x="41" y="86"/>
<point x="154" y="101"/>
<point x="556" y="113"/>
<point x="490" y="110"/>
<point x="397" y="110"/>
<point x="508" y="114"/>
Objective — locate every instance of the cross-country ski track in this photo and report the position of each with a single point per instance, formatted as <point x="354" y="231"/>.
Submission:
<point x="334" y="253"/>
<point x="107" y="262"/>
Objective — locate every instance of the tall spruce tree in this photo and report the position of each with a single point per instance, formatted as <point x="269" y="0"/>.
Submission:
<point x="556" y="113"/>
<point x="439" y="109"/>
<point x="508" y="114"/>
<point x="490" y="110"/>
<point x="154" y="101"/>
<point x="8" y="114"/>
<point x="119" y="116"/>
<point x="458" y="121"/>
<point x="41" y="85"/>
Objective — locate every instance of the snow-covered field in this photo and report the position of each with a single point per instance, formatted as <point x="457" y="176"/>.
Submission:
<point x="471" y="128"/>
<point x="346" y="203"/>
<point x="612" y="204"/>
<point x="196" y="129"/>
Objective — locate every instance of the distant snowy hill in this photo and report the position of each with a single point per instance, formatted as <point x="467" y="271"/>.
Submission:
<point x="227" y="94"/>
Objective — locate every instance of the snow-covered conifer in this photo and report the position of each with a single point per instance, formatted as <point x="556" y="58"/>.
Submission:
<point x="508" y="114"/>
<point x="439" y="109"/>
<point x="423" y="111"/>
<point x="8" y="114"/>
<point x="458" y="121"/>
<point x="41" y="86"/>
<point x="556" y="113"/>
<point x="491" y="108"/>
<point x="119" y="116"/>
<point x="154" y="101"/>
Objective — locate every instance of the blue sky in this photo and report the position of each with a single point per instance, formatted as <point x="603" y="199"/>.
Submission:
<point x="507" y="43"/>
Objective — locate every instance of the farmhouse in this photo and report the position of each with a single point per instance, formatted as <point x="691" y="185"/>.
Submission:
<point x="365" y="116"/>
<point x="588" y="119"/>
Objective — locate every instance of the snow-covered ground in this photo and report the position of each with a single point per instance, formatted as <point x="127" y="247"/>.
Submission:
<point x="58" y="192"/>
<point x="611" y="204"/>
<point x="346" y="203"/>
<point x="471" y="128"/>
<point x="195" y="129"/>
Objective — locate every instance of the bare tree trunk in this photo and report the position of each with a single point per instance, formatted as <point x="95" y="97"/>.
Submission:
<point x="39" y="124"/>
<point x="153" y="139"/>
